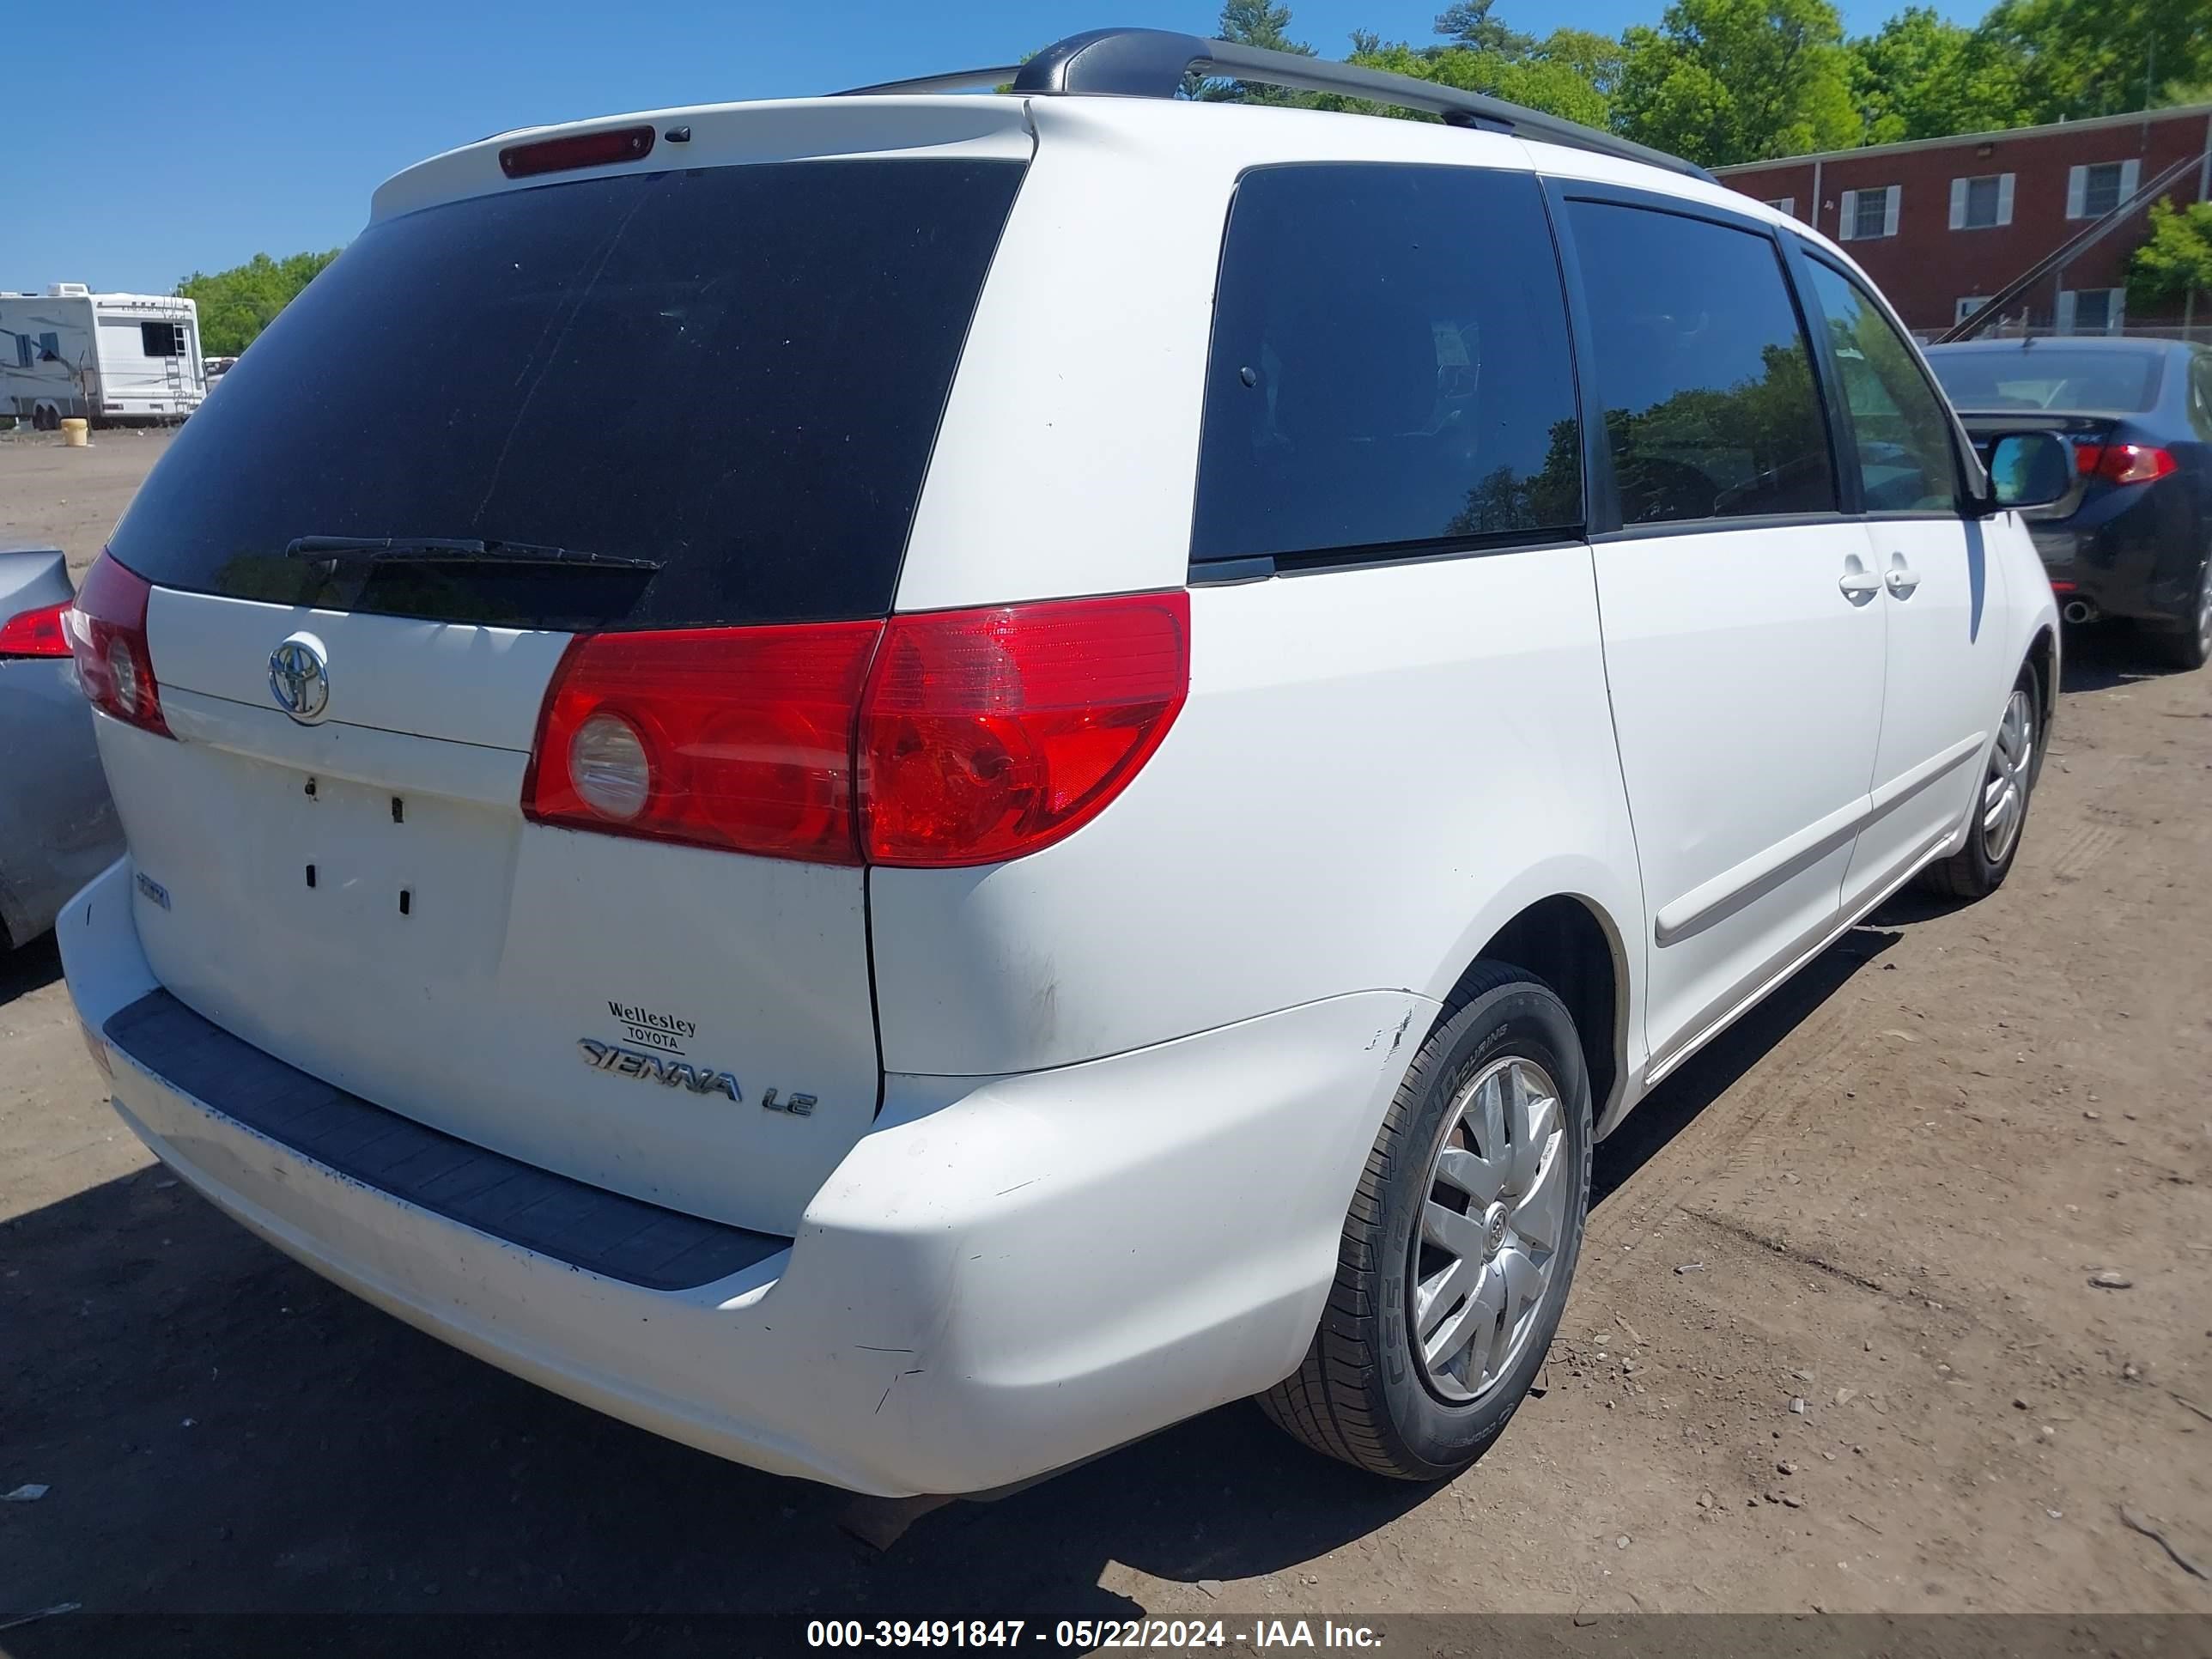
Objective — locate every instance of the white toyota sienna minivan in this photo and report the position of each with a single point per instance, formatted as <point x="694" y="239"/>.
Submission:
<point x="904" y="785"/>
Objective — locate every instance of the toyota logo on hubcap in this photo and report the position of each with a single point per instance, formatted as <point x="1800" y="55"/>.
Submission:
<point x="299" y="678"/>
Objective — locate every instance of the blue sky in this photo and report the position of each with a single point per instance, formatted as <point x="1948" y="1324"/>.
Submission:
<point x="170" y="140"/>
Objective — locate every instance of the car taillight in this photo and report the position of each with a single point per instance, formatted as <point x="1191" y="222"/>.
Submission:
<point x="734" y="738"/>
<point x="989" y="734"/>
<point x="107" y="629"/>
<point x="949" y="737"/>
<point x="2123" y="464"/>
<point x="35" y="633"/>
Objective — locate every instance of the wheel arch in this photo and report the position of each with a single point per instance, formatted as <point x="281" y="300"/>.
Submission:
<point x="2042" y="657"/>
<point x="1572" y="943"/>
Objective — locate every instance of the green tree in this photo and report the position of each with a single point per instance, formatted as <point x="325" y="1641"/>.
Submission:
<point x="237" y="304"/>
<point x="2175" y="259"/>
<point x="1569" y="73"/>
<point x="1254" y="23"/>
<point x="1723" y="81"/>
<point x="2080" y="60"/>
<point x="1921" y="76"/>
<point x="1468" y="23"/>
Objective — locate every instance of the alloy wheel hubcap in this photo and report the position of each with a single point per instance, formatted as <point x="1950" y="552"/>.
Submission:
<point x="2205" y="611"/>
<point x="1493" y="1219"/>
<point x="2004" y="795"/>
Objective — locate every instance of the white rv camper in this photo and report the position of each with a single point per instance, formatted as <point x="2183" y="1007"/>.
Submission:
<point x="109" y="357"/>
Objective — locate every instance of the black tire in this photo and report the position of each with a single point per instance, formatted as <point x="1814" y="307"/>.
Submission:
<point x="1362" y="1395"/>
<point x="2186" y="645"/>
<point x="1971" y="873"/>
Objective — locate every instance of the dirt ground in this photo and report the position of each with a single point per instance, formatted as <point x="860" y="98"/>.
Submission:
<point x="1834" y="1344"/>
<point x="54" y="496"/>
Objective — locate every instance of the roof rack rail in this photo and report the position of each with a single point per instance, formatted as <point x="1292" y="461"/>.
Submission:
<point x="953" y="80"/>
<point x="1152" y="63"/>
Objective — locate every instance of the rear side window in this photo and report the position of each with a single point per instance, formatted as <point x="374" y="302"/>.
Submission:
<point x="1710" y="409"/>
<point x="737" y="373"/>
<point x="1390" y="366"/>
<point x="1899" y="425"/>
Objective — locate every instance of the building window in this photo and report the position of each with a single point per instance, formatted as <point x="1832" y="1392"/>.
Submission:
<point x="1967" y="306"/>
<point x="1784" y="205"/>
<point x="2094" y="191"/>
<point x="1868" y="214"/>
<point x="1981" y="203"/>
<point x="161" y="339"/>
<point x="2092" y="310"/>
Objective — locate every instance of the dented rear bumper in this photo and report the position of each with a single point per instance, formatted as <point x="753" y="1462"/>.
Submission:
<point x="1003" y="1277"/>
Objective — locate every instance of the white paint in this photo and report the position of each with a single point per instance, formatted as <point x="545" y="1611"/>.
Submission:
<point x="1746" y="692"/>
<point x="915" y="1336"/>
<point x="1376" y="770"/>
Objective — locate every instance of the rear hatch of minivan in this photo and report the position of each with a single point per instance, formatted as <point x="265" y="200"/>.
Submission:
<point x="676" y="409"/>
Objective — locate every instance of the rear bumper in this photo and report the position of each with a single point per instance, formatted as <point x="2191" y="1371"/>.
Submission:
<point x="2136" y="553"/>
<point x="1006" y="1276"/>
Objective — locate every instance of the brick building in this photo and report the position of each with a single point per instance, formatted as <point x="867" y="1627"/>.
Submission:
<point x="1942" y="223"/>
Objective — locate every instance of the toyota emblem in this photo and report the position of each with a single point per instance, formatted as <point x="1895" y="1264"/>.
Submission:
<point x="299" y="678"/>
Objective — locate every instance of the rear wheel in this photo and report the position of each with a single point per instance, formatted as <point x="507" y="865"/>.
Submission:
<point x="2000" y="811"/>
<point x="1461" y="1244"/>
<point x="2190" y="645"/>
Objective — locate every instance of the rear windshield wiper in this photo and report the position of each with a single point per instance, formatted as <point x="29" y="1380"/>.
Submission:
<point x="445" y="549"/>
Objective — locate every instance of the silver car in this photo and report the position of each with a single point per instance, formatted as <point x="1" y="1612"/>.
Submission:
<point x="57" y="828"/>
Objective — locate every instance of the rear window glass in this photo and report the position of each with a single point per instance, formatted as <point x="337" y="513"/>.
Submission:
<point x="1390" y="366"/>
<point x="737" y="373"/>
<point x="2048" y="377"/>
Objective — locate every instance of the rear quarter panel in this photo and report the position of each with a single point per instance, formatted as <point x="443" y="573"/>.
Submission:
<point x="1376" y="768"/>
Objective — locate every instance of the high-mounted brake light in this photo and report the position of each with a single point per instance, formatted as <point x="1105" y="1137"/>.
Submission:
<point x="35" y="633"/>
<point x="952" y="738"/>
<point x="582" y="149"/>
<point x="2123" y="464"/>
<point x="107" y="629"/>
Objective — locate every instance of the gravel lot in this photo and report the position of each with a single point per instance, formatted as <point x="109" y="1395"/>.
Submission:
<point x="1834" y="1343"/>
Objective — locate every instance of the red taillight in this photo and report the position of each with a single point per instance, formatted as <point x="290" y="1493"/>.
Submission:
<point x="584" y="149"/>
<point x="35" y="634"/>
<point x="978" y="735"/>
<point x="2123" y="464"/>
<point x="989" y="734"/>
<point x="107" y="629"/>
<point x="734" y="737"/>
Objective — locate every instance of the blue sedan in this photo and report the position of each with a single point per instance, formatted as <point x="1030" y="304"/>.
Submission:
<point x="2133" y="538"/>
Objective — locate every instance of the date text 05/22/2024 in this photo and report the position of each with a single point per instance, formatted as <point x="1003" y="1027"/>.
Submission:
<point x="1089" y="1635"/>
